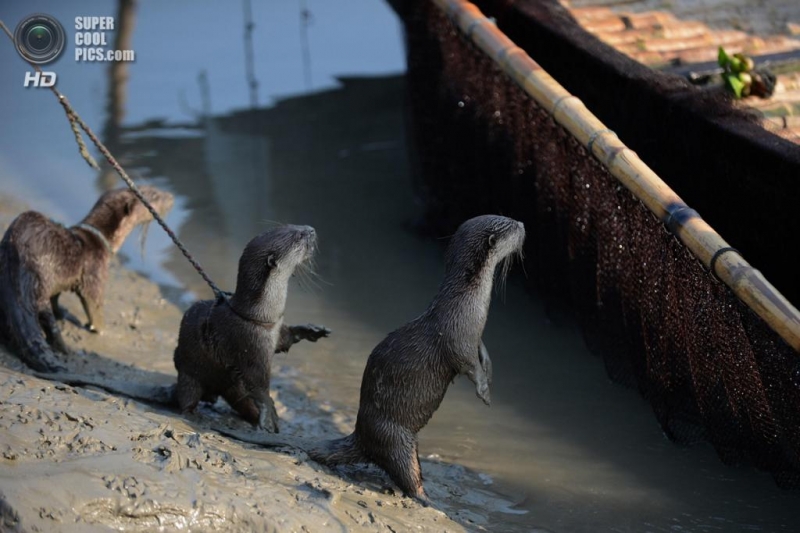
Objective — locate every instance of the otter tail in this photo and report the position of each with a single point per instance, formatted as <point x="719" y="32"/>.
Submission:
<point x="19" y="322"/>
<point x="162" y="394"/>
<point x="331" y="452"/>
<point x="342" y="451"/>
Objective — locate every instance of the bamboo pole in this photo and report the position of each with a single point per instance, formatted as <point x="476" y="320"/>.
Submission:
<point x="623" y="163"/>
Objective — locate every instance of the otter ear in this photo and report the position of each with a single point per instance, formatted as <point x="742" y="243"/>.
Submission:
<point x="271" y="262"/>
<point x="492" y="240"/>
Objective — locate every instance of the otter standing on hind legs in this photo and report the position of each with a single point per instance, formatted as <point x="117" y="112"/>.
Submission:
<point x="408" y="373"/>
<point x="225" y="347"/>
<point x="40" y="259"/>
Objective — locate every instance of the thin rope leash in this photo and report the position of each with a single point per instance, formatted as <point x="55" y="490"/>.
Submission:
<point x="75" y="121"/>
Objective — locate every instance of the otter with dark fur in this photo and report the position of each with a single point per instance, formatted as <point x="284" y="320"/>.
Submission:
<point x="408" y="373"/>
<point x="225" y="347"/>
<point x="40" y="259"/>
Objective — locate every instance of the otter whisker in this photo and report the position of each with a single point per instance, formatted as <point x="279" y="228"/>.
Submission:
<point x="308" y="274"/>
<point x="502" y="275"/>
<point x="312" y="272"/>
<point x="269" y="223"/>
<point x="301" y="272"/>
<point x="521" y="256"/>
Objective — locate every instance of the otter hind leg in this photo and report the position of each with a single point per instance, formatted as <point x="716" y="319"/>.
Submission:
<point x="268" y="416"/>
<point x="21" y="327"/>
<point x="59" y="312"/>
<point x="188" y="392"/>
<point x="257" y="409"/>
<point x="399" y="458"/>
<point x="209" y="397"/>
<point x="52" y="332"/>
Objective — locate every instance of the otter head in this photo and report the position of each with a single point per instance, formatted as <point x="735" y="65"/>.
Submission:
<point x="482" y="242"/>
<point x="117" y="212"/>
<point x="274" y="255"/>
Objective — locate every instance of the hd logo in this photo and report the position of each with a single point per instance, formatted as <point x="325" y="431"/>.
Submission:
<point x="40" y="79"/>
<point x="40" y="39"/>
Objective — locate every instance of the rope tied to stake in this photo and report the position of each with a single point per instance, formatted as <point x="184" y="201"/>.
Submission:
<point x="75" y="123"/>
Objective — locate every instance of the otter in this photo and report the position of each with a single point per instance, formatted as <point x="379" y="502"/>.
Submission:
<point x="40" y="259"/>
<point x="408" y="373"/>
<point x="225" y="346"/>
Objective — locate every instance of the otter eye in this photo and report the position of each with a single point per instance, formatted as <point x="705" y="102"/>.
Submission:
<point x="492" y="240"/>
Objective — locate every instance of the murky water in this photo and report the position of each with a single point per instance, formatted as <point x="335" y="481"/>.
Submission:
<point x="577" y="452"/>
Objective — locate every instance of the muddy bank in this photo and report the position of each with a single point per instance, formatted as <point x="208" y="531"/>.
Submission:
<point x="73" y="459"/>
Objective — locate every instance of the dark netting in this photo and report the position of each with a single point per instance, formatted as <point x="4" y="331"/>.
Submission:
<point x="708" y="365"/>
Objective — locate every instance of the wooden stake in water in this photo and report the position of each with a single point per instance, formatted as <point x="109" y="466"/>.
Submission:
<point x="249" y="66"/>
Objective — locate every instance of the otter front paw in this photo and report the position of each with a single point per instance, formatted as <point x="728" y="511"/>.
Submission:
<point x="310" y="332"/>
<point x="93" y="328"/>
<point x="483" y="392"/>
<point x="480" y="373"/>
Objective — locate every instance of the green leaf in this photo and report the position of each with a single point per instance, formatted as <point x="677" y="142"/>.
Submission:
<point x="722" y="58"/>
<point x="734" y="84"/>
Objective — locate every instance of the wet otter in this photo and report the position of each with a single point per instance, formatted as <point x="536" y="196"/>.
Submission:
<point x="408" y="373"/>
<point x="39" y="259"/>
<point x="225" y="347"/>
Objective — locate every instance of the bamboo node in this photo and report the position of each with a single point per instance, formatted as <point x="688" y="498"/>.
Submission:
<point x="712" y="265"/>
<point x="560" y="101"/>
<point x="594" y="136"/>
<point x="678" y="215"/>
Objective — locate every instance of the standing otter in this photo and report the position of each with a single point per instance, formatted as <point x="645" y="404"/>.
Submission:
<point x="408" y="373"/>
<point x="39" y="259"/>
<point x="225" y="347"/>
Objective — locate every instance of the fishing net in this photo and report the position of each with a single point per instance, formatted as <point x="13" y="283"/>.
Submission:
<point x="663" y="324"/>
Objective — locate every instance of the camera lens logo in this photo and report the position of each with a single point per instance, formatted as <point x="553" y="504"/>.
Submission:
<point x="40" y="39"/>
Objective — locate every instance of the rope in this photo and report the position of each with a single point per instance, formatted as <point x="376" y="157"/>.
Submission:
<point x="74" y="119"/>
